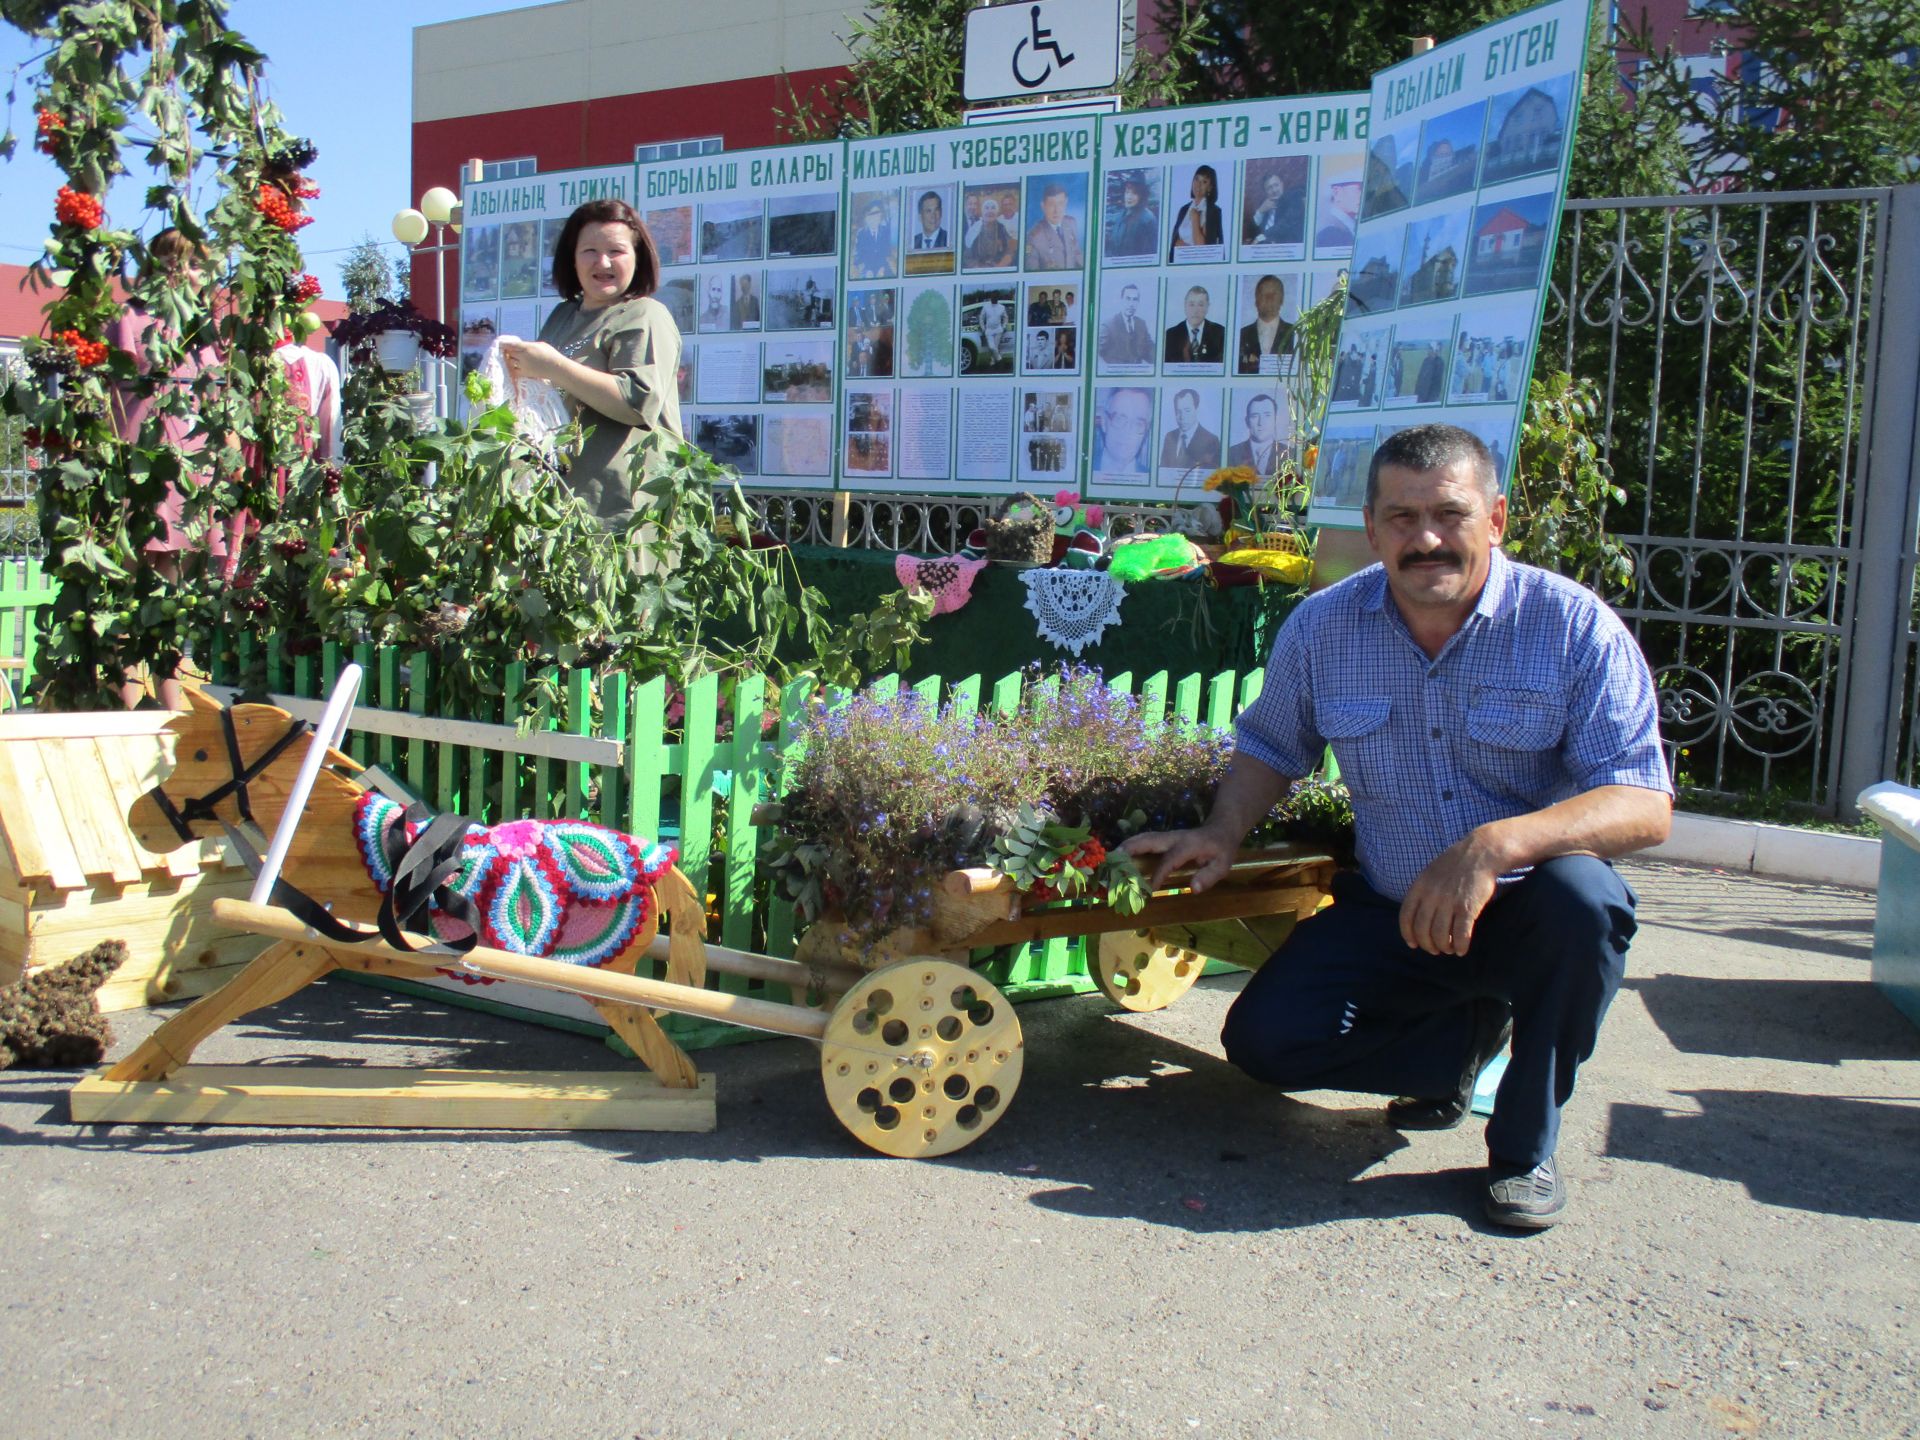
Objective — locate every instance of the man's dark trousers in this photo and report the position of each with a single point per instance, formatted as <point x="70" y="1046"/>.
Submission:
<point x="1346" y="1004"/>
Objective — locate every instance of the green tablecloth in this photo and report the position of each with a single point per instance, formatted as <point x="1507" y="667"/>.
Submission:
<point x="1180" y="626"/>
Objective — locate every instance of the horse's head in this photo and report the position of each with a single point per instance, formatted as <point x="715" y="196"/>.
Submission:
<point x="241" y="763"/>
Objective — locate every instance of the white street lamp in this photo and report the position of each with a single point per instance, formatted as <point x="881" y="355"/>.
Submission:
<point x="439" y="211"/>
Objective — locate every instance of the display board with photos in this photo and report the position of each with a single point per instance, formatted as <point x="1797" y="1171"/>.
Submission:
<point x="966" y="306"/>
<point x="1218" y="224"/>
<point x="1466" y="175"/>
<point x="749" y="246"/>
<point x="506" y="249"/>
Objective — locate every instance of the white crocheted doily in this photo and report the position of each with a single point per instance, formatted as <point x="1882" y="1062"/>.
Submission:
<point x="1073" y="607"/>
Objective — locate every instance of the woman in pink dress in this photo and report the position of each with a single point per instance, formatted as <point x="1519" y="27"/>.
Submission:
<point x="170" y="547"/>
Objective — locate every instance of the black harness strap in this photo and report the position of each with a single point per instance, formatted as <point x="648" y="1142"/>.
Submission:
<point x="421" y="867"/>
<point x="184" y="816"/>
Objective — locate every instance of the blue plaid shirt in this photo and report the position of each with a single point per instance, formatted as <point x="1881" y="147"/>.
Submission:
<point x="1540" y="696"/>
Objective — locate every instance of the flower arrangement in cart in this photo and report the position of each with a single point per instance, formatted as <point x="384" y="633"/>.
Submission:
<point x="891" y="792"/>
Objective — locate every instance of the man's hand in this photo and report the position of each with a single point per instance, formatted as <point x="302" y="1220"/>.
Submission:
<point x="1204" y="848"/>
<point x="1446" y="898"/>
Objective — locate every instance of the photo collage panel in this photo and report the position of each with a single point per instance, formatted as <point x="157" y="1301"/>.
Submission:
<point x="752" y="277"/>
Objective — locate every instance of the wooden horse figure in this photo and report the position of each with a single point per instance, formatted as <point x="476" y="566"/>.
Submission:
<point x="568" y="891"/>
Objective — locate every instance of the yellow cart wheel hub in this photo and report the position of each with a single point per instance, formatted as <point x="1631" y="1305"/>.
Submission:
<point x="921" y="1058"/>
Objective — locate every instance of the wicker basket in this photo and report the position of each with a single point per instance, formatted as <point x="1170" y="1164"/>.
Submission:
<point x="1020" y="531"/>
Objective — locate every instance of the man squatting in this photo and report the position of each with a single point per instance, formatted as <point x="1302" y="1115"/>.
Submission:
<point x="1496" y="726"/>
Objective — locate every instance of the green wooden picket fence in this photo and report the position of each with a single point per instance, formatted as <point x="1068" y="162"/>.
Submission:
<point x="24" y="587"/>
<point x="691" y="781"/>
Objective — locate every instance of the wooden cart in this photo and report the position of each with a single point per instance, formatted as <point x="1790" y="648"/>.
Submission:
<point x="919" y="1054"/>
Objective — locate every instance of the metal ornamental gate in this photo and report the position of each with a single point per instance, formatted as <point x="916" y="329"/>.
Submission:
<point x="1757" y="358"/>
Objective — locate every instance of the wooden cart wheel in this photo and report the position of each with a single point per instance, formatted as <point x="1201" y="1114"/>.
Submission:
<point x="921" y="1058"/>
<point x="1139" y="971"/>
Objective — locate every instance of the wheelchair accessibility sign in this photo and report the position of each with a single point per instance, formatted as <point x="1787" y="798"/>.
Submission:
<point x="1033" y="48"/>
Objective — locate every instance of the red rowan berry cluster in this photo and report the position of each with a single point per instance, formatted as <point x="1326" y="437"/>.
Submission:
<point x="51" y="127"/>
<point x="277" y="206"/>
<point x="85" y="352"/>
<point x="76" y="207"/>
<point x="302" y="288"/>
<point x="305" y="188"/>
<point x="330" y="477"/>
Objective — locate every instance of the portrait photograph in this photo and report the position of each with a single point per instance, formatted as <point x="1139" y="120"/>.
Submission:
<point x="870" y="332"/>
<point x="713" y="300"/>
<point x="743" y="300"/>
<point x="1373" y="277"/>
<point x="990" y="220"/>
<point x="798" y="445"/>
<point x="874" y="250"/>
<point x="989" y="329"/>
<point x="683" y="373"/>
<point x="1123" y="432"/>
<point x="927" y="331"/>
<point x="1391" y="160"/>
<point x="1417" y="372"/>
<point x="1048" y="412"/>
<point x="1526" y="129"/>
<point x="672" y="232"/>
<point x="801" y="225"/>
<point x="1337" y="205"/>
<point x="1199" y="196"/>
<point x="1433" y="259"/>
<point x="480" y="263"/>
<point x="1051" y="350"/>
<point x="731" y="230"/>
<point x="1268" y="308"/>
<point x="1130" y="217"/>
<point x="1189" y="447"/>
<point x="1359" y="366"/>
<point x="549" y="242"/>
<point x="1450" y="153"/>
<point x="1194" y="340"/>
<point x="1130" y="330"/>
<point x="797" y="372"/>
<point x="800" y="299"/>
<point x="1259" y="425"/>
<point x="1508" y="243"/>
<point x="1056" y="222"/>
<point x="932" y="243"/>
<point x="1495" y="431"/>
<point x="1273" y="209"/>
<point x="1049" y="303"/>
<point x="730" y="438"/>
<point x="478" y="329"/>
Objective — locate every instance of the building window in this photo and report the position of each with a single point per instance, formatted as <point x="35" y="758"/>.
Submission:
<point x="676" y="149"/>
<point x="508" y="169"/>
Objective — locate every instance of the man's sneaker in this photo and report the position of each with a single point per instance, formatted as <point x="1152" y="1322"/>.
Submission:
<point x="1493" y="1028"/>
<point x="1525" y="1199"/>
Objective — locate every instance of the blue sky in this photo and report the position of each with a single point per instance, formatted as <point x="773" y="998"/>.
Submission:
<point x="342" y="74"/>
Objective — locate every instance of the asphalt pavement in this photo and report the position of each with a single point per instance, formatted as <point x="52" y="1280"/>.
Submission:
<point x="1149" y="1244"/>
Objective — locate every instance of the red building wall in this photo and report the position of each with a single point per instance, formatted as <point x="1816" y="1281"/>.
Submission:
<point x="594" y="132"/>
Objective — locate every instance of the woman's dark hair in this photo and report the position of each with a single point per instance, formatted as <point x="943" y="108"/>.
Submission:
<point x="646" y="259"/>
<point x="1213" y="182"/>
<point x="170" y="249"/>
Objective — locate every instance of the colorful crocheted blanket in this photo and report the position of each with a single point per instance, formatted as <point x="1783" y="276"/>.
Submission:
<point x="561" y="889"/>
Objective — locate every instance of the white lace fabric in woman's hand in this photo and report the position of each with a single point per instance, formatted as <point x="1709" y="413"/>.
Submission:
<point x="538" y="406"/>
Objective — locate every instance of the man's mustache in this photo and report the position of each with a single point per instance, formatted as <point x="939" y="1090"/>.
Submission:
<point x="1445" y="556"/>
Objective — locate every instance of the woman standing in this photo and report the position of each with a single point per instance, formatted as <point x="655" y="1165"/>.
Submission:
<point x="610" y="348"/>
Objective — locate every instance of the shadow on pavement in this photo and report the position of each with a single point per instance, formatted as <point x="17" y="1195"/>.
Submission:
<point x="1832" y="1154"/>
<point x="1822" y="1022"/>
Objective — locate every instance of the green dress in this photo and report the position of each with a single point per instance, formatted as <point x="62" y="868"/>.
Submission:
<point x="636" y="342"/>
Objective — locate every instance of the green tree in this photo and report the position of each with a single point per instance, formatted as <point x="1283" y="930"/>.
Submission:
<point x="366" y="276"/>
<point x="907" y="72"/>
<point x="1826" y="95"/>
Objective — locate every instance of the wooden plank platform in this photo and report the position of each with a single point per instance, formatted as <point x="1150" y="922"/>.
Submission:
<point x="374" y="1097"/>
